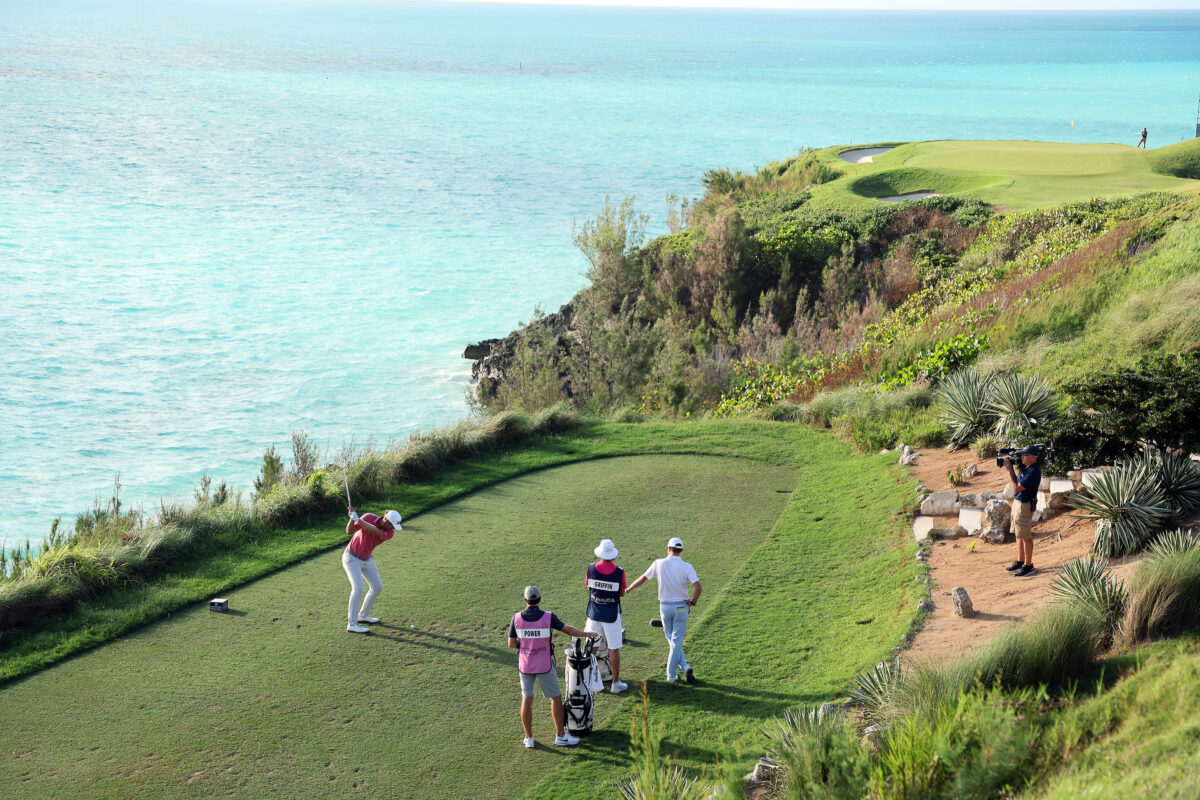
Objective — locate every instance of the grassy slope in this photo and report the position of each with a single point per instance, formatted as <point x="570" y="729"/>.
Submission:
<point x="1148" y="733"/>
<point x="1012" y="175"/>
<point x="1112" y="316"/>
<point x="280" y="702"/>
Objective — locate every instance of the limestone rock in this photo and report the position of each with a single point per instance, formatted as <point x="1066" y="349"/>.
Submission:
<point x="921" y="489"/>
<point x="922" y="527"/>
<point x="1045" y="485"/>
<point x="960" y="532"/>
<point x="908" y="456"/>
<point x="870" y="738"/>
<point x="762" y="770"/>
<point x="970" y="519"/>
<point x="997" y="517"/>
<point x="826" y="709"/>
<point x="969" y="500"/>
<point x="962" y="602"/>
<point x="941" y="533"/>
<point x="970" y="471"/>
<point x="984" y="497"/>
<point x="1008" y="493"/>
<point x="940" y="503"/>
<point x="924" y="605"/>
<point x="1075" y="475"/>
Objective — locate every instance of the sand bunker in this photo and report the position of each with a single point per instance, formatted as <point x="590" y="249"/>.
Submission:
<point x="863" y="156"/>
<point x="900" y="198"/>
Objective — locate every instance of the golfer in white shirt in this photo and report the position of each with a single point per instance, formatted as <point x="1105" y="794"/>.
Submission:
<point x="673" y="575"/>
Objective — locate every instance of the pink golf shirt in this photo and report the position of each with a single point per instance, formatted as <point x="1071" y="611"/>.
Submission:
<point x="363" y="543"/>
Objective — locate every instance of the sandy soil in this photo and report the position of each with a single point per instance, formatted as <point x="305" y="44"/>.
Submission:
<point x="999" y="598"/>
<point x="900" y="198"/>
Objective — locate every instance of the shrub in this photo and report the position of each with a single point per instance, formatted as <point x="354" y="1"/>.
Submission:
<point x="653" y="779"/>
<point x="985" y="446"/>
<point x="1088" y="583"/>
<point x="963" y="405"/>
<point x="1165" y="598"/>
<point x="1019" y="404"/>
<point x="1129" y="506"/>
<point x="269" y="474"/>
<point x="1154" y="401"/>
<point x="820" y="756"/>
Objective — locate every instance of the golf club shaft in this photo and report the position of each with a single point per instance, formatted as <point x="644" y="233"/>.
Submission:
<point x="346" y="480"/>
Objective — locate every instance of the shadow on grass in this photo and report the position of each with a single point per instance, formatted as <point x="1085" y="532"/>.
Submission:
<point x="462" y="647"/>
<point x="725" y="698"/>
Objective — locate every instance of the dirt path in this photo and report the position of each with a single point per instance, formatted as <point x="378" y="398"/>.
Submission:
<point x="999" y="598"/>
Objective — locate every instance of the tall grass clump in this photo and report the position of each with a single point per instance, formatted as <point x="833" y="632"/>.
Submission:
<point x="963" y="405"/>
<point x="1165" y="598"/>
<point x="654" y="780"/>
<point x="1019" y="404"/>
<point x="1129" y="506"/>
<point x="1087" y="582"/>
<point x="1053" y="648"/>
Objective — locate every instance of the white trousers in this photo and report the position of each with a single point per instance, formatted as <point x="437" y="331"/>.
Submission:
<point x="358" y="570"/>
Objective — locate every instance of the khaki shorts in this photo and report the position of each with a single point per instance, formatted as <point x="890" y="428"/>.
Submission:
<point x="547" y="680"/>
<point x="1022" y="519"/>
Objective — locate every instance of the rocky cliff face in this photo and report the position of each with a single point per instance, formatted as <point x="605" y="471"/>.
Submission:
<point x="494" y="357"/>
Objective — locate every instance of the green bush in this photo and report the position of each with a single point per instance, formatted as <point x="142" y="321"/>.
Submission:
<point x="985" y="446"/>
<point x="820" y="756"/>
<point x="1020" y="405"/>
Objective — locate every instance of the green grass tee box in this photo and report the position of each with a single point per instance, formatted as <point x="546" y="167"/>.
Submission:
<point x="275" y="700"/>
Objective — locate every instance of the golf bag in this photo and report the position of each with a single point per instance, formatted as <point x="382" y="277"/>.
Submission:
<point x="583" y="675"/>
<point x="600" y="651"/>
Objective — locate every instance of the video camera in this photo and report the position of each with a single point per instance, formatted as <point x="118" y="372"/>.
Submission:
<point x="1012" y="455"/>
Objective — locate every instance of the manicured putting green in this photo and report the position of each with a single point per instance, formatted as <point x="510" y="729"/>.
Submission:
<point x="275" y="699"/>
<point x="1010" y="174"/>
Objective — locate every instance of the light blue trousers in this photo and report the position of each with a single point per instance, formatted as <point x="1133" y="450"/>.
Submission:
<point x="674" y="619"/>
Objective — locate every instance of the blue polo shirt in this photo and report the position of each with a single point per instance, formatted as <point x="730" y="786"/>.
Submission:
<point x="1032" y="479"/>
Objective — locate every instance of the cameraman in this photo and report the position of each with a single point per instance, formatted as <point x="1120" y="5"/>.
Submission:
<point x="1025" y="489"/>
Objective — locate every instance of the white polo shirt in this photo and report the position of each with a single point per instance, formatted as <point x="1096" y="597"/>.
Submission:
<point x="673" y="575"/>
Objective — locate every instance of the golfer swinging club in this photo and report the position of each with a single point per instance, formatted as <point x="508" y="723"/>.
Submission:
<point x="368" y="532"/>
<point x="673" y="575"/>
<point x="530" y="634"/>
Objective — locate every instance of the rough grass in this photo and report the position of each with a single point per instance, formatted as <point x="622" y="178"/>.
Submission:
<point x="276" y="700"/>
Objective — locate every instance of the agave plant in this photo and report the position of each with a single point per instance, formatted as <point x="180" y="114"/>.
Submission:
<point x="962" y="405"/>
<point x="1087" y="582"/>
<point x="1180" y="482"/>
<point x="1169" y="543"/>
<point x="1129" y="507"/>
<point x="1019" y="404"/>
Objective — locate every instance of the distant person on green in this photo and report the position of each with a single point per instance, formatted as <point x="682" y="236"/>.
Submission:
<point x="673" y="575"/>
<point x="1142" y="142"/>
<point x="367" y="532"/>
<point x="530" y="634"/>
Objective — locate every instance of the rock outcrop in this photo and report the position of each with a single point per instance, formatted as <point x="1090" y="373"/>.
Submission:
<point x="494" y="357"/>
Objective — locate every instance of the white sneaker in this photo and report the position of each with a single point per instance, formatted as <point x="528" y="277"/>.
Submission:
<point x="368" y="620"/>
<point x="566" y="740"/>
<point x="618" y="687"/>
<point x="529" y="742"/>
<point x="357" y="629"/>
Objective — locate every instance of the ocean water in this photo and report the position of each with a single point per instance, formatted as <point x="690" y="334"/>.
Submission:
<point x="221" y="222"/>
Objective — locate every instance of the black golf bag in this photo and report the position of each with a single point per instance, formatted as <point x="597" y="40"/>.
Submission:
<point x="582" y="674"/>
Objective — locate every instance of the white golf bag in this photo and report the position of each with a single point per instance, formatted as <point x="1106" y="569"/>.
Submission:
<point x="583" y="682"/>
<point x="600" y="651"/>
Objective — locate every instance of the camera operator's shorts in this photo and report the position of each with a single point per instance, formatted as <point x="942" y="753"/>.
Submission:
<point x="1022" y="519"/>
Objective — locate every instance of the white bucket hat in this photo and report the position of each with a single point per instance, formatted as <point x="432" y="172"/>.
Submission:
<point x="394" y="518"/>
<point x="607" y="550"/>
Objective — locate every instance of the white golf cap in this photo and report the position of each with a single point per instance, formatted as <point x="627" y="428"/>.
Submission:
<point x="607" y="550"/>
<point x="676" y="543"/>
<point x="394" y="518"/>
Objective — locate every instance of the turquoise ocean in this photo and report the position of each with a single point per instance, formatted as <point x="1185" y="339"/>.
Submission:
<point x="222" y="222"/>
